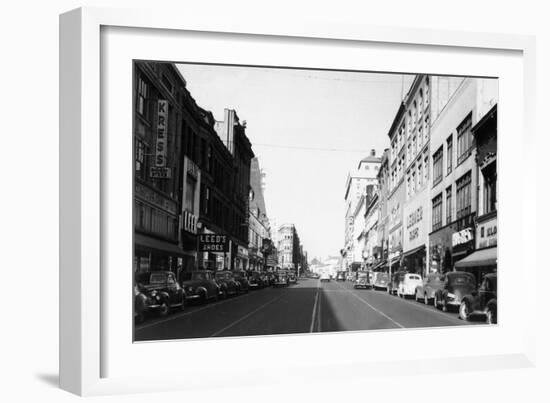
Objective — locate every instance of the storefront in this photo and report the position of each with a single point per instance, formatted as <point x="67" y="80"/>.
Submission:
<point x="415" y="235"/>
<point x="152" y="254"/>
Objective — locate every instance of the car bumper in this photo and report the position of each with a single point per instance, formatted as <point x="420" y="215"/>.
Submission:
<point x="192" y="297"/>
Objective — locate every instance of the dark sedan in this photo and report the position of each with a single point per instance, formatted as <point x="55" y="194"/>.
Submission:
<point x="242" y="280"/>
<point x="228" y="285"/>
<point x="482" y="301"/>
<point x="456" y="285"/>
<point x="200" y="286"/>
<point x="257" y="280"/>
<point x="162" y="291"/>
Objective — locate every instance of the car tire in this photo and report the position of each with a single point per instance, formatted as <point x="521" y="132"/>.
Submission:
<point x="140" y="317"/>
<point x="491" y="315"/>
<point x="436" y="302"/>
<point x="182" y="307"/>
<point x="464" y="311"/>
<point x="444" y="306"/>
<point x="164" y="309"/>
<point x="426" y="299"/>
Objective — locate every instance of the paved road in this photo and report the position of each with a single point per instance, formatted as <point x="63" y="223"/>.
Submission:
<point x="309" y="306"/>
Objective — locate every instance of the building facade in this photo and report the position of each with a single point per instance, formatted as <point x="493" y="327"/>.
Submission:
<point x="383" y="215"/>
<point x="356" y="187"/>
<point x="259" y="238"/>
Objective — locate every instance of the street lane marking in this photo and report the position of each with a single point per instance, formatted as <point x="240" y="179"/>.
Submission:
<point x="245" y="316"/>
<point x="314" y="309"/>
<point x="373" y="308"/>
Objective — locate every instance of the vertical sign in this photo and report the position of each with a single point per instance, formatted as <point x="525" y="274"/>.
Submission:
<point x="162" y="122"/>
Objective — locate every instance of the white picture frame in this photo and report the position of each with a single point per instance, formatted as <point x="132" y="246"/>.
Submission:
<point x="85" y="186"/>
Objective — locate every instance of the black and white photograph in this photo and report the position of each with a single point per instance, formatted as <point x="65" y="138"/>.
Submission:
<point x="272" y="201"/>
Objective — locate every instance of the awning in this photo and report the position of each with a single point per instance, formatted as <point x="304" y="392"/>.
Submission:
<point x="380" y="264"/>
<point x="157" y="244"/>
<point x="483" y="257"/>
<point x="412" y="251"/>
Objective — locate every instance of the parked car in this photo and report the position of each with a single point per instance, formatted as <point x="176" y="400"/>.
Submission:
<point x="325" y="277"/>
<point x="380" y="281"/>
<point x="351" y="277"/>
<point x="227" y="284"/>
<point x="241" y="279"/>
<point x="200" y="286"/>
<point x="362" y="280"/>
<point x="408" y="284"/>
<point x="162" y="291"/>
<point x="482" y="301"/>
<point x="257" y="280"/>
<point x="315" y="276"/>
<point x="341" y="276"/>
<point x="140" y="305"/>
<point x="431" y="283"/>
<point x="393" y="284"/>
<point x="270" y="278"/>
<point x="456" y="285"/>
<point x="281" y="278"/>
<point x="292" y="277"/>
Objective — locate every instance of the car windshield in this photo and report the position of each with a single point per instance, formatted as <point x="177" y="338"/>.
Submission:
<point x="221" y="276"/>
<point x="238" y="274"/>
<point x="158" y="278"/>
<point x="461" y="279"/>
<point x="363" y="275"/>
<point x="200" y="276"/>
<point x="414" y="277"/>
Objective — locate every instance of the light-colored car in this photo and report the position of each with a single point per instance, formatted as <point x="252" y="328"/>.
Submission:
<point x="430" y="285"/>
<point x="325" y="277"/>
<point x="407" y="286"/>
<point x="362" y="280"/>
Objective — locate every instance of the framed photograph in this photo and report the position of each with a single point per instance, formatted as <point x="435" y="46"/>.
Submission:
<point x="286" y="192"/>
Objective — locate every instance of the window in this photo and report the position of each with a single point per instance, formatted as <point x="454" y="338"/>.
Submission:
<point x="142" y="105"/>
<point x="490" y="188"/>
<point x="449" y="154"/>
<point x="426" y="169"/>
<point x="190" y="194"/>
<point x="437" y="205"/>
<point x="140" y="150"/>
<point x="448" y="205"/>
<point x="463" y="196"/>
<point x="413" y="181"/>
<point x="464" y="139"/>
<point x="419" y="174"/>
<point x="438" y="165"/>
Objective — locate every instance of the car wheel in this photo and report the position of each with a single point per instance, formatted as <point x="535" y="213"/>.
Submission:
<point x="140" y="317"/>
<point x="464" y="310"/>
<point x="224" y="294"/>
<point x="182" y="307"/>
<point x="426" y="300"/>
<point x="491" y="315"/>
<point x="164" y="309"/>
<point x="444" y="306"/>
<point x="436" y="301"/>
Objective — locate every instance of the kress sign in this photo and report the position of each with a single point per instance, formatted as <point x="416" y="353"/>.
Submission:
<point x="213" y="243"/>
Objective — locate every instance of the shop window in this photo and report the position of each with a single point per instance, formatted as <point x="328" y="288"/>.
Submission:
<point x="437" y="206"/>
<point x="490" y="188"/>
<point x="464" y="139"/>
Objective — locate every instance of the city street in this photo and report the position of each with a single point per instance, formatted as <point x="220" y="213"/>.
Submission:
<point x="309" y="306"/>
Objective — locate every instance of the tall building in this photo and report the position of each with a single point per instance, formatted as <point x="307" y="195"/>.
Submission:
<point x="259" y="238"/>
<point x="290" y="250"/>
<point x="383" y="214"/>
<point x="356" y="187"/>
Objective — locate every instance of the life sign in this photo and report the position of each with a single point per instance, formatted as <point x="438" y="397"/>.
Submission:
<point x="213" y="243"/>
<point x="162" y="123"/>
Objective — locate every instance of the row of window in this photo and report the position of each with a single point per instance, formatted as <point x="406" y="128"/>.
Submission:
<point x="417" y="176"/>
<point x="463" y="202"/>
<point x="152" y="220"/>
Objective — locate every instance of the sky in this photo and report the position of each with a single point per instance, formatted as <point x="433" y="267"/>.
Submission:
<point x="309" y="129"/>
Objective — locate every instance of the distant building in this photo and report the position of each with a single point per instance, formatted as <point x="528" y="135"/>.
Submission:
<point x="259" y="238"/>
<point x="356" y="187"/>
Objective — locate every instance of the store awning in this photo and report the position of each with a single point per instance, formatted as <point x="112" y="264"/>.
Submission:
<point x="412" y="251"/>
<point x="157" y="244"/>
<point x="483" y="257"/>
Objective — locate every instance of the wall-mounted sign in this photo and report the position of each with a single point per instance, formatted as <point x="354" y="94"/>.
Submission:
<point x="162" y="133"/>
<point x="160" y="173"/>
<point x="486" y="234"/>
<point x="463" y="236"/>
<point x="213" y="243"/>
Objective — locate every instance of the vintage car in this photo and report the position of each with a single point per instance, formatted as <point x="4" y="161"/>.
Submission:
<point x="241" y="279"/>
<point x="325" y="277"/>
<point x="162" y="291"/>
<point x="482" y="301"/>
<point x="281" y="278"/>
<point x="257" y="280"/>
<point x="393" y="284"/>
<point x="140" y="305"/>
<point x="292" y="277"/>
<point x="380" y="281"/>
<point x="341" y="276"/>
<point x="226" y="283"/>
<point x="430" y="284"/>
<point x="363" y="280"/>
<point x="408" y="284"/>
<point x="456" y="285"/>
<point x="200" y="286"/>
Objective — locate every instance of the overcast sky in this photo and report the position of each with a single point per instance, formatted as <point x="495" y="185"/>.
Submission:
<point x="308" y="128"/>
